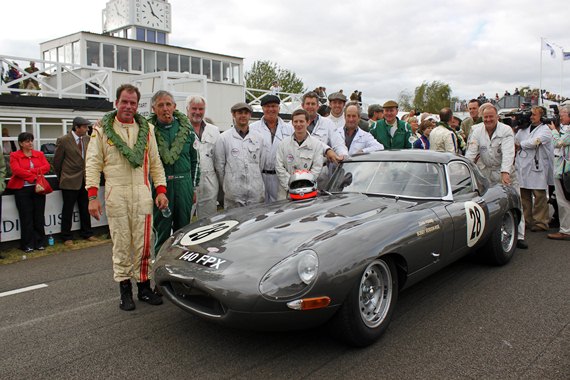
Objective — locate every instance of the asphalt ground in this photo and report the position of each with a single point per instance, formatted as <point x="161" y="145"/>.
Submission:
<point x="469" y="321"/>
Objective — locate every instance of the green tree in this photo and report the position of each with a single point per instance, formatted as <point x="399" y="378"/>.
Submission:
<point x="432" y="97"/>
<point x="264" y="73"/>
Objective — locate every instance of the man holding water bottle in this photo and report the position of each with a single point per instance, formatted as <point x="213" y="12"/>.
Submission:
<point x="177" y="146"/>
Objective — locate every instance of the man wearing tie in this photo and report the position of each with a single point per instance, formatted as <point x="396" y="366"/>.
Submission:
<point x="69" y="165"/>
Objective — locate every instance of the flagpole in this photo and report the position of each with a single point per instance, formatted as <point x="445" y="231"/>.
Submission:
<point x="540" y="81"/>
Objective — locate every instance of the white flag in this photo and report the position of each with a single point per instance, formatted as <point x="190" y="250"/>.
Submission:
<point x="546" y="46"/>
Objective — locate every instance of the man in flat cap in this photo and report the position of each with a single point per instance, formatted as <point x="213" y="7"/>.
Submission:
<point x="392" y="132"/>
<point x="239" y="155"/>
<point x="69" y="165"/>
<point x="273" y="130"/>
<point x="375" y="113"/>
<point x="337" y="101"/>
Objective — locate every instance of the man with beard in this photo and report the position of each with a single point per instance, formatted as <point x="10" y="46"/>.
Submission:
<point x="337" y="101"/>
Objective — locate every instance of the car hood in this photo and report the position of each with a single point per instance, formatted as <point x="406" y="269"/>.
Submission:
<point x="271" y="232"/>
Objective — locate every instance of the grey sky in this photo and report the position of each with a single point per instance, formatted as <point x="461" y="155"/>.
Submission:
<point x="378" y="47"/>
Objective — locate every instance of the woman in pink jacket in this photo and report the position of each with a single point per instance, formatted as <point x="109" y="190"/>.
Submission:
<point x="26" y="165"/>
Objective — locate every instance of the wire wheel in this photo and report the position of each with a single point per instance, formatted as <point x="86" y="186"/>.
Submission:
<point x="375" y="293"/>
<point x="508" y="232"/>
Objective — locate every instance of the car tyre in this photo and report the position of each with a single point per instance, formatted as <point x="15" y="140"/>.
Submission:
<point x="367" y="311"/>
<point x="501" y="246"/>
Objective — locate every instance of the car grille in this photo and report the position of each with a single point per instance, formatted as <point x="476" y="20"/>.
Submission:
<point x="194" y="298"/>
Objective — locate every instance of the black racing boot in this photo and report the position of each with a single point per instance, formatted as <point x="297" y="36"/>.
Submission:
<point x="147" y="295"/>
<point x="127" y="302"/>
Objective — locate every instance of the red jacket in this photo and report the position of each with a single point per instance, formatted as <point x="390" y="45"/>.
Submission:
<point x="20" y="165"/>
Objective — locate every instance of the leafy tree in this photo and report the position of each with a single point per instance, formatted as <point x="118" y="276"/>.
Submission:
<point x="432" y="97"/>
<point x="264" y="73"/>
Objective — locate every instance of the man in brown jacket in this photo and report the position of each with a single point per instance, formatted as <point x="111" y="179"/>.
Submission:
<point x="69" y="165"/>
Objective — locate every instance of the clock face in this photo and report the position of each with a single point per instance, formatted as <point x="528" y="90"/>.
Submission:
<point x="153" y="14"/>
<point x="116" y="15"/>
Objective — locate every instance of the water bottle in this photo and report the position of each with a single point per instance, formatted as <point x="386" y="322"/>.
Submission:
<point x="166" y="213"/>
<point x="51" y="241"/>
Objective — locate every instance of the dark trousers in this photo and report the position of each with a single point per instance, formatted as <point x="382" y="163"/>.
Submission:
<point x="31" y="209"/>
<point x="69" y="199"/>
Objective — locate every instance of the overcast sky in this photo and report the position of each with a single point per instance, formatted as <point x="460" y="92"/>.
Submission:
<point x="376" y="46"/>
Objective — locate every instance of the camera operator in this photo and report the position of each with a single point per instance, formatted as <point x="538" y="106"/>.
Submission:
<point x="562" y="165"/>
<point x="534" y="169"/>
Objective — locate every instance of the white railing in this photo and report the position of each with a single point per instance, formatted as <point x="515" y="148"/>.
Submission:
<point x="55" y="79"/>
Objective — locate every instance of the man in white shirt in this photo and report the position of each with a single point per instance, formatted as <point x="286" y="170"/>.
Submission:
<point x="355" y="139"/>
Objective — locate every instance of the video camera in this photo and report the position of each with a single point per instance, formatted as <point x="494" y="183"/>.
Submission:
<point x="554" y="119"/>
<point x="520" y="118"/>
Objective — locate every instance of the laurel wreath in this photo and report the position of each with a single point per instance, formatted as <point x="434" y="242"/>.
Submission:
<point x="135" y="156"/>
<point x="170" y="155"/>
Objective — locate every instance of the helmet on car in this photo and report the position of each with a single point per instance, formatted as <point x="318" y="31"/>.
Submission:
<point x="302" y="185"/>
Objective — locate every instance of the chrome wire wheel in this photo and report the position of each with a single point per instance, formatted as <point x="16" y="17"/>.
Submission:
<point x="375" y="293"/>
<point x="508" y="232"/>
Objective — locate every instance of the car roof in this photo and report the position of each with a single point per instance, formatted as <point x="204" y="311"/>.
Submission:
<point x="418" y="155"/>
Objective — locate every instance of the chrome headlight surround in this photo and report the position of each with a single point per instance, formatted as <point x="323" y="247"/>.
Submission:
<point x="290" y="277"/>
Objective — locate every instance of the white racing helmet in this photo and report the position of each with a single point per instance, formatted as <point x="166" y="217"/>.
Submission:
<point x="302" y="185"/>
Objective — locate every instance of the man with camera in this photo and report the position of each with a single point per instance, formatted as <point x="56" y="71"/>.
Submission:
<point x="562" y="165"/>
<point x="534" y="169"/>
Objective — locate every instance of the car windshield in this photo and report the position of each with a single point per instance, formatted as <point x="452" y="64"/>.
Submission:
<point x="401" y="178"/>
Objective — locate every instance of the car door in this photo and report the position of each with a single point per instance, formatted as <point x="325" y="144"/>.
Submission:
<point x="468" y="210"/>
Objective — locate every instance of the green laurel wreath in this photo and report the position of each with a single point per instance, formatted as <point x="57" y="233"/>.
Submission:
<point x="170" y="156"/>
<point x="135" y="156"/>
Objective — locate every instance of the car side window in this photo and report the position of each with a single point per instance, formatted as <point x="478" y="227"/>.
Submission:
<point x="460" y="178"/>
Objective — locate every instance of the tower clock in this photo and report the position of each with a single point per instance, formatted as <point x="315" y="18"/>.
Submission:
<point x="126" y="14"/>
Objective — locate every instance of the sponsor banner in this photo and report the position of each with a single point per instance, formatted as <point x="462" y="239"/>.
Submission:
<point x="10" y="223"/>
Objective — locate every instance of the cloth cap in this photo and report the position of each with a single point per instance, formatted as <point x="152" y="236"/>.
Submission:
<point x="241" y="106"/>
<point x="375" y="108"/>
<point x="390" y="104"/>
<point x="267" y="99"/>
<point x="337" y="96"/>
<point x="81" y="121"/>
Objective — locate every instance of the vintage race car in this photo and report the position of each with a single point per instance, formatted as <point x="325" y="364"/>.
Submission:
<point x="387" y="220"/>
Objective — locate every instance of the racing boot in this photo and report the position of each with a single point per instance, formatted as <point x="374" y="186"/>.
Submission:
<point x="147" y="295"/>
<point x="127" y="302"/>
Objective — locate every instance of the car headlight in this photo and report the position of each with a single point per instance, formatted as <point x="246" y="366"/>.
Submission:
<point x="291" y="276"/>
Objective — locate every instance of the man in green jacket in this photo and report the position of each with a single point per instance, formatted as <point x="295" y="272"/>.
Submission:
<point x="177" y="147"/>
<point x="390" y="131"/>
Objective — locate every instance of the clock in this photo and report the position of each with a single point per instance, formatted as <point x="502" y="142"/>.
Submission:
<point x="153" y="14"/>
<point x="116" y="15"/>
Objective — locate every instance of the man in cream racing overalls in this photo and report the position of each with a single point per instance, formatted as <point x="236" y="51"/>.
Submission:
<point x="123" y="147"/>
